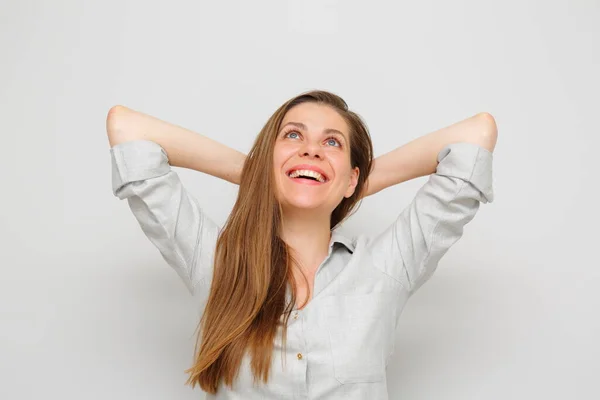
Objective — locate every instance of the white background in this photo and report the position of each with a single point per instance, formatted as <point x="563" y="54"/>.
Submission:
<point x="90" y="310"/>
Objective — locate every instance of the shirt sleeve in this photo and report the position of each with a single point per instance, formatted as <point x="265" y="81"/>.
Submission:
<point x="410" y="249"/>
<point x="167" y="213"/>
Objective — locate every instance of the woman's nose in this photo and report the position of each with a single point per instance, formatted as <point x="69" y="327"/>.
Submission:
<point x="311" y="150"/>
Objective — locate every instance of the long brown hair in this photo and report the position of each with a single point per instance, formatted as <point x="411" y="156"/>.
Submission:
<point x="253" y="265"/>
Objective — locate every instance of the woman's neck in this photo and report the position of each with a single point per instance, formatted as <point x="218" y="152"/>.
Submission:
<point x="309" y="239"/>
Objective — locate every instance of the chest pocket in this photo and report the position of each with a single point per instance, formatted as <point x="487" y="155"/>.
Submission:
<point x="360" y="328"/>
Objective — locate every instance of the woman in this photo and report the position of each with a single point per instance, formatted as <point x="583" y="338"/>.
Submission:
<point x="280" y="254"/>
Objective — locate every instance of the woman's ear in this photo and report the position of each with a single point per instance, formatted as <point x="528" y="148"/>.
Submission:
<point x="353" y="182"/>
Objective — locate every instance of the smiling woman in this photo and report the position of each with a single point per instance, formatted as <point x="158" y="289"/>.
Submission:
<point x="304" y="175"/>
<point x="278" y="231"/>
<point x="315" y="141"/>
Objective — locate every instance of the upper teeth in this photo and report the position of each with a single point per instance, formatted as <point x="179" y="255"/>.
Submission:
<point x="307" y="172"/>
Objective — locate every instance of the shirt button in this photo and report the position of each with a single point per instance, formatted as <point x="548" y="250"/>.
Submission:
<point x="299" y="356"/>
<point x="296" y="315"/>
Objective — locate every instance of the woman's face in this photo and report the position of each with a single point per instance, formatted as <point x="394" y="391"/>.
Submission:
<point x="313" y="139"/>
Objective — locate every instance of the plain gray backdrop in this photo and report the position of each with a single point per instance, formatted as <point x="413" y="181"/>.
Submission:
<point x="90" y="310"/>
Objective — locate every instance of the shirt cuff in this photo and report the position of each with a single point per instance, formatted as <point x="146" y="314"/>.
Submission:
<point x="137" y="160"/>
<point x="470" y="162"/>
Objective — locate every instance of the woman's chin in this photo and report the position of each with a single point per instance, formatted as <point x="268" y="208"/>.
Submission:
<point x="300" y="205"/>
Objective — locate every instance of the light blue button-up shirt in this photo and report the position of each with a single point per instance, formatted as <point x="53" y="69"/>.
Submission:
<point x="339" y="345"/>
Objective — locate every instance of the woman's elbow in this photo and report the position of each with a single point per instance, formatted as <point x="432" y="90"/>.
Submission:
<point x="115" y="113"/>
<point x="489" y="130"/>
<point x="114" y="123"/>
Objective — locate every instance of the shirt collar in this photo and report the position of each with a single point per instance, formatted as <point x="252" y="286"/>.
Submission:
<point x="340" y="237"/>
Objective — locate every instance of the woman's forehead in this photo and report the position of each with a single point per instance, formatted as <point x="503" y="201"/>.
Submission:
<point x="315" y="116"/>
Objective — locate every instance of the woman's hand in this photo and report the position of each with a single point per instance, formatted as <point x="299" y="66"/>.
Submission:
<point x="371" y="182"/>
<point x="238" y="170"/>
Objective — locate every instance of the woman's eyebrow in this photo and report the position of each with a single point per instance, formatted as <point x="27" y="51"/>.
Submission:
<point x="325" y="132"/>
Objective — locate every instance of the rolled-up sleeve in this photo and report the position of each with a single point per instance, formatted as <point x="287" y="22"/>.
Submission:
<point x="167" y="213"/>
<point x="410" y="249"/>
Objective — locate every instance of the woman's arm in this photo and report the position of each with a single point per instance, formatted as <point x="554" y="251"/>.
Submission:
<point x="185" y="148"/>
<point x="419" y="157"/>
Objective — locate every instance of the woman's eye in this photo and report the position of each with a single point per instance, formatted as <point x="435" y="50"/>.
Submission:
<point x="332" y="140"/>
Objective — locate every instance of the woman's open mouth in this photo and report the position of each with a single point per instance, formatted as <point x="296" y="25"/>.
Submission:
<point x="307" y="181"/>
<point x="307" y="177"/>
